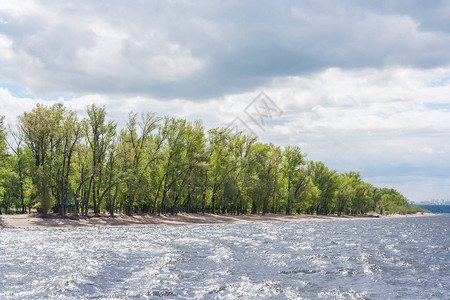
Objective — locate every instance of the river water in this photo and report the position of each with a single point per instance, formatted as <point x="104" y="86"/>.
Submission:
<point x="404" y="258"/>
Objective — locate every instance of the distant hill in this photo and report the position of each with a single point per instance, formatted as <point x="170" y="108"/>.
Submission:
<point x="438" y="209"/>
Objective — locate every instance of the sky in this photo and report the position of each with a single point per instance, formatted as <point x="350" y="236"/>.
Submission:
<point x="359" y="85"/>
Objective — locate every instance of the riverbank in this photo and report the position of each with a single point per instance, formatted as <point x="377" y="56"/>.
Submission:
<point x="17" y="221"/>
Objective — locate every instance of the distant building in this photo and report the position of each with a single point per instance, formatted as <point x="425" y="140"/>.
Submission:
<point x="435" y="202"/>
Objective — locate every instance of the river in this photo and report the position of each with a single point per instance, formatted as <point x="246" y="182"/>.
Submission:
<point x="363" y="259"/>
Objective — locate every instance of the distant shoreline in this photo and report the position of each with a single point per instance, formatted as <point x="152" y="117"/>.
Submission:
<point x="25" y="220"/>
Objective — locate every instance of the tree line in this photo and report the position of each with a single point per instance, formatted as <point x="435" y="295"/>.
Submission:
<point x="56" y="162"/>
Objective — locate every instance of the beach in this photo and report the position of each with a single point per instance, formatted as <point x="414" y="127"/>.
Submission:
<point x="30" y="220"/>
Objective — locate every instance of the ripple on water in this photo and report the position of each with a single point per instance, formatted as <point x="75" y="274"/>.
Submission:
<point x="397" y="258"/>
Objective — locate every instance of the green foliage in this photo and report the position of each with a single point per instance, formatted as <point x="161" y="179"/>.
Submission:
<point x="42" y="186"/>
<point x="3" y="135"/>
<point x="391" y="201"/>
<point x="298" y="181"/>
<point x="326" y="181"/>
<point x="152" y="165"/>
<point x="3" y="171"/>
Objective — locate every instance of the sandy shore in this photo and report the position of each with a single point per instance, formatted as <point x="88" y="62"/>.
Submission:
<point x="15" y="221"/>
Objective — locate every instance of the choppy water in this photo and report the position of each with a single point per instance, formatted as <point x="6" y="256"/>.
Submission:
<point x="396" y="258"/>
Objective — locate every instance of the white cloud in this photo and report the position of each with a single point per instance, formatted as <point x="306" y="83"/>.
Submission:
<point x="427" y="149"/>
<point x="64" y="48"/>
<point x="416" y="188"/>
<point x="374" y="120"/>
<point x="199" y="51"/>
<point x="361" y="87"/>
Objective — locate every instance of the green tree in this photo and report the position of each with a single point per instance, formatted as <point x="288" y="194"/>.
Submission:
<point x="326" y="181"/>
<point x="244" y="171"/>
<point x="392" y="201"/>
<point x="3" y="156"/>
<point x="21" y="163"/>
<point x="296" y="175"/>
<point x="169" y="166"/>
<point x="346" y="192"/>
<point x="134" y="145"/>
<point x="40" y="130"/>
<point x="220" y="162"/>
<point x="192" y="158"/>
<point x="269" y="177"/>
<point x="100" y="135"/>
<point x="72" y="130"/>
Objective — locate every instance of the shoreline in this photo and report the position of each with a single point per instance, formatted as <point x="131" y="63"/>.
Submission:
<point x="33" y="220"/>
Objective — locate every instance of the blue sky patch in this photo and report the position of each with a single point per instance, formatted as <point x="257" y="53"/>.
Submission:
<point x="17" y="90"/>
<point x="442" y="81"/>
<point x="437" y="106"/>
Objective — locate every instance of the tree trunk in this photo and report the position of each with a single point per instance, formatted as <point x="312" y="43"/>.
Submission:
<point x="86" y="204"/>
<point x="254" y="208"/>
<point x="113" y="204"/>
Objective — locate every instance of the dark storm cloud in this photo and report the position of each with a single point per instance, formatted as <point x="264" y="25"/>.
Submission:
<point x="196" y="50"/>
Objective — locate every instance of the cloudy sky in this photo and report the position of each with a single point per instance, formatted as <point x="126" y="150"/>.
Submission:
<point x="359" y="85"/>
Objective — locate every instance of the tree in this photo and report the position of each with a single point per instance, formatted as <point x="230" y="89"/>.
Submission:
<point x="392" y="201"/>
<point x="269" y="175"/>
<point x="3" y="135"/>
<point x="169" y="166"/>
<point x="100" y="135"/>
<point x="21" y="162"/>
<point x="133" y="146"/>
<point x="326" y="181"/>
<point x="72" y="130"/>
<point x="220" y="159"/>
<point x="346" y="192"/>
<point x="3" y="157"/>
<point x="243" y="175"/>
<point x="40" y="130"/>
<point x="192" y="158"/>
<point x="296" y="175"/>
